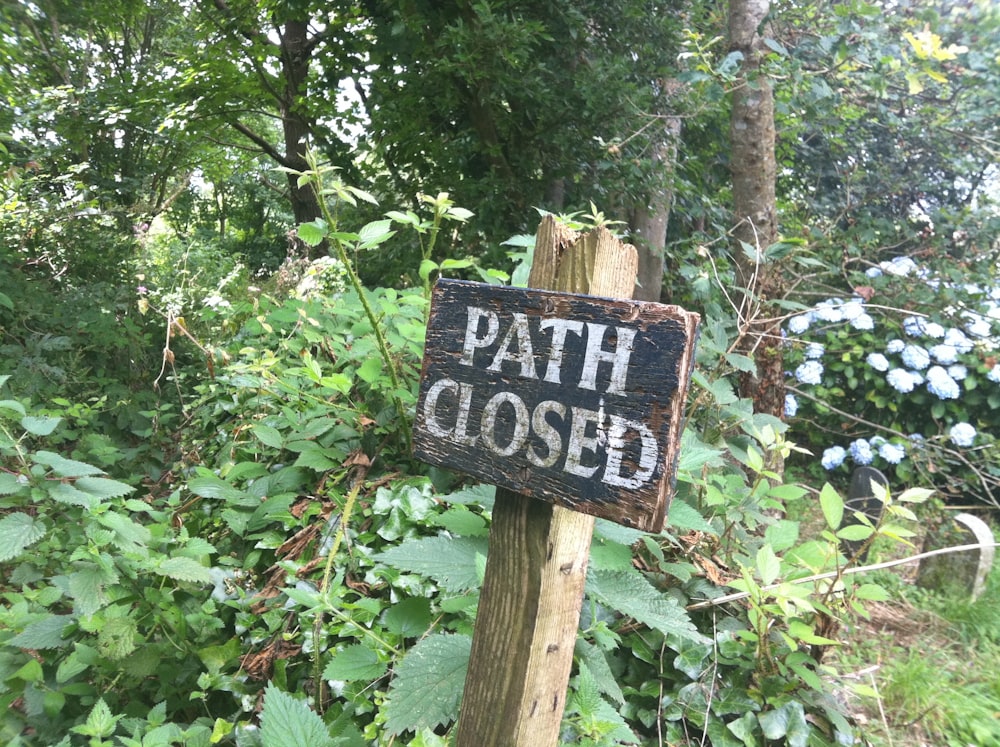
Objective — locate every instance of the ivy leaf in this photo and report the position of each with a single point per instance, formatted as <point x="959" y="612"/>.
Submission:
<point x="631" y="594"/>
<point x="288" y="722"/>
<point x="355" y="662"/>
<point x="17" y="532"/>
<point x="185" y="569"/>
<point x="428" y="683"/>
<point x="450" y="562"/>
<point x="39" y="425"/>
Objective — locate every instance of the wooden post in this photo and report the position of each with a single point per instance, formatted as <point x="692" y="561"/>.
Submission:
<point x="529" y="609"/>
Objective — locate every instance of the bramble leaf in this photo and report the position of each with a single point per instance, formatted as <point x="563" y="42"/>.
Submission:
<point x="17" y="532"/>
<point x="428" y="683"/>
<point x="288" y="722"/>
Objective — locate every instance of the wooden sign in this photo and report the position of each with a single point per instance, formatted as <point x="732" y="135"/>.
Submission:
<point x="572" y="399"/>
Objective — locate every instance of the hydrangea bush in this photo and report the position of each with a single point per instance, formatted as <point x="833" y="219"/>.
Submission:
<point x="905" y="376"/>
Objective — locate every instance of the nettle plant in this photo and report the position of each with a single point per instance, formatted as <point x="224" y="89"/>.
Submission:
<point x="914" y="391"/>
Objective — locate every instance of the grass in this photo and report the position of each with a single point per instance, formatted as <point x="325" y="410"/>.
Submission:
<point x="923" y="669"/>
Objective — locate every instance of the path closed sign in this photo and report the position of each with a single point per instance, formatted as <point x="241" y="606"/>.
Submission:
<point x="572" y="399"/>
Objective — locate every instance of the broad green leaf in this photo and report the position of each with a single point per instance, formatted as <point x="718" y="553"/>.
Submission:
<point x="17" y="532"/>
<point x="65" y="467"/>
<point x="6" y="302"/>
<point x="42" y="634"/>
<point x="782" y="535"/>
<point x="428" y="684"/>
<point x="62" y="492"/>
<point x="631" y="594"/>
<point x="268" y="436"/>
<point x="832" y="505"/>
<point x="128" y="535"/>
<point x="409" y="618"/>
<point x="314" y="232"/>
<point x="682" y="517"/>
<point x="872" y="592"/>
<point x="768" y="565"/>
<point x="39" y="425"/>
<point x="915" y="495"/>
<point x="451" y="562"/>
<point x="185" y="569"/>
<point x="210" y="486"/>
<point x="12" y="405"/>
<point x="370" y="370"/>
<point x="102" y="487"/>
<point x="286" y="721"/>
<point x="100" y="722"/>
<point x="376" y="232"/>
<point x="855" y="532"/>
<point x="117" y="638"/>
<point x="597" y="663"/>
<point x="355" y="662"/>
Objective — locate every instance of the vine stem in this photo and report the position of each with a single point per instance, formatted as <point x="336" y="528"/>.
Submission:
<point x="735" y="597"/>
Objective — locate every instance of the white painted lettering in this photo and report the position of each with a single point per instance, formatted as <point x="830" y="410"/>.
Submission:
<point x="579" y="441"/>
<point x="525" y="355"/>
<point x="462" y="422"/>
<point x="596" y="354"/>
<point x="430" y="406"/>
<point x="549" y="435"/>
<point x="559" y="329"/>
<point x="489" y="423"/>
<point x="616" y="444"/>
<point x="472" y="339"/>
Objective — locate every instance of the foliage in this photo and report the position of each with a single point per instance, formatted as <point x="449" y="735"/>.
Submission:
<point x="910" y="378"/>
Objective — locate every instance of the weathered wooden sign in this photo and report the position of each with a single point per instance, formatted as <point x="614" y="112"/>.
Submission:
<point x="572" y="399"/>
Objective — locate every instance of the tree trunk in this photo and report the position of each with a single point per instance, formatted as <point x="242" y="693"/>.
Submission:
<point x="649" y="220"/>
<point x="754" y="169"/>
<point x="295" y="45"/>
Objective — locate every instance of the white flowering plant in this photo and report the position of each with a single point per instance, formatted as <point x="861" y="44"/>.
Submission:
<point x="903" y="375"/>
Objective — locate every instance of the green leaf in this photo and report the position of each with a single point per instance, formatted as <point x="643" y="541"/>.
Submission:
<point x="288" y="722"/>
<point x="128" y="535"/>
<point x="376" y="232"/>
<point x="451" y="562"/>
<point x="17" y="532"/>
<point x="102" y="487"/>
<point x="832" y="505"/>
<point x="872" y="592"/>
<point x="100" y="722"/>
<point x="355" y="662"/>
<point x="65" y="467"/>
<point x="314" y="232"/>
<point x="6" y="302"/>
<point x="855" y="532"/>
<point x="768" y="565"/>
<point x="39" y="425"/>
<point x="42" y="634"/>
<point x="268" y="436"/>
<point x="682" y="516"/>
<point x="64" y="493"/>
<point x="117" y="638"/>
<point x="185" y="569"/>
<point x="10" y="484"/>
<point x="631" y="594"/>
<point x="596" y="661"/>
<point x="371" y="369"/>
<point x="428" y="683"/>
<point x="409" y="618"/>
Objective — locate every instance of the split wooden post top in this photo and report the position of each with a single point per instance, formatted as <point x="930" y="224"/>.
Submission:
<point x="573" y="406"/>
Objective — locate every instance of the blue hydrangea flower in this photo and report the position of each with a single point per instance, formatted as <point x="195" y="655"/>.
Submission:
<point x="933" y="329"/>
<point x="833" y="457"/>
<point x="810" y="372"/>
<point x="945" y="354"/>
<point x="994" y="374"/>
<point x="878" y="361"/>
<point x="895" y="346"/>
<point x="791" y="405"/>
<point x="958" y="371"/>
<point x="861" y="451"/>
<point x="962" y="434"/>
<point x="899" y="266"/>
<point x="829" y="311"/>
<point x="901" y="380"/>
<point x="958" y="340"/>
<point x="916" y="357"/>
<point x="914" y="326"/>
<point x="799" y="323"/>
<point x="892" y="453"/>
<point x="874" y="272"/>
<point x="979" y="327"/>
<point x="814" y="350"/>
<point x="918" y="378"/>
<point x="863" y="322"/>
<point x="852" y="310"/>
<point x="940" y="384"/>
